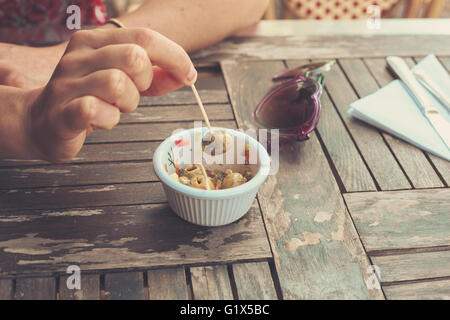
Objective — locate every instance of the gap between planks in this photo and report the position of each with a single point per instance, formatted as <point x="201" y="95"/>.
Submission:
<point x="382" y="179"/>
<point x="401" y="251"/>
<point x="423" y="280"/>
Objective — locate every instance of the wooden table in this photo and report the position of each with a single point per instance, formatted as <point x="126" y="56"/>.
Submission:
<point x="348" y="198"/>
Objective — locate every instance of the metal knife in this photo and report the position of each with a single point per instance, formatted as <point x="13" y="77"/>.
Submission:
<point x="438" y="122"/>
<point x="429" y="83"/>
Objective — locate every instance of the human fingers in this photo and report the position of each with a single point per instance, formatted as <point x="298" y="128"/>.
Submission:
<point x="162" y="51"/>
<point x="86" y="113"/>
<point x="163" y="82"/>
<point x="112" y="86"/>
<point x="130" y="58"/>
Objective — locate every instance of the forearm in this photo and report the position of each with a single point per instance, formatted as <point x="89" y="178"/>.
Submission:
<point x="196" y="24"/>
<point x="14" y="142"/>
<point x="193" y="24"/>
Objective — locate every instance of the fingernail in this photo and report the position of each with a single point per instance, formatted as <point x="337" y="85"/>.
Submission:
<point x="192" y="75"/>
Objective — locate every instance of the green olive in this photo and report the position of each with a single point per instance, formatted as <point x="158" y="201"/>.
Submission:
<point x="233" y="180"/>
<point x="192" y="170"/>
<point x="199" y="182"/>
<point x="217" y="139"/>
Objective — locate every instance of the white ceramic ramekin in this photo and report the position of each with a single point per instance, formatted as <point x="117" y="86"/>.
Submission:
<point x="209" y="207"/>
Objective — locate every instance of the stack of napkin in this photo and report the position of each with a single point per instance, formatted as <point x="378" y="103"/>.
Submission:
<point x="394" y="110"/>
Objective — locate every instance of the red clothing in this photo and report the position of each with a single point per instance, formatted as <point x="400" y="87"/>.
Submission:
<point x="44" y="21"/>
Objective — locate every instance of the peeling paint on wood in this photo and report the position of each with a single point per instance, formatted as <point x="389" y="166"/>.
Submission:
<point x="332" y="266"/>
<point x="310" y="238"/>
<point x="401" y="219"/>
<point x="76" y="196"/>
<point x="122" y="237"/>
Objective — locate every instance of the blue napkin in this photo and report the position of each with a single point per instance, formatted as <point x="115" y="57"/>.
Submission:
<point x="394" y="110"/>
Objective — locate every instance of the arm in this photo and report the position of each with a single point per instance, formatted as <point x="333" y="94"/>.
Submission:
<point x="196" y="24"/>
<point x="192" y="24"/>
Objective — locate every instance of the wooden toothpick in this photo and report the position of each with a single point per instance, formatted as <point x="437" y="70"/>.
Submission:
<point x="202" y="109"/>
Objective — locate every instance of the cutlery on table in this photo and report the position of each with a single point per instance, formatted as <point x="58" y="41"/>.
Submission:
<point x="429" y="83"/>
<point x="437" y="121"/>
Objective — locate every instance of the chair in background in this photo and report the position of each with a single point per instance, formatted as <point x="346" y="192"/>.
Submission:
<point x="433" y="8"/>
<point x="354" y="9"/>
<point x="271" y="12"/>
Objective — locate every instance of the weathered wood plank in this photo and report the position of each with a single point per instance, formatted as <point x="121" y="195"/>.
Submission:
<point x="90" y="288"/>
<point x="85" y="196"/>
<point x="348" y="162"/>
<point x="316" y="248"/>
<point x="167" y="284"/>
<point x="430" y="290"/>
<point x="181" y="97"/>
<point x="124" y="142"/>
<point x="211" y="283"/>
<point x="35" y="289"/>
<point x="124" y="286"/>
<point x="412" y="159"/>
<point x="121" y="237"/>
<point x="401" y="219"/>
<point x="107" y="152"/>
<point x="67" y="175"/>
<point x="179" y="113"/>
<point x="323" y="46"/>
<point x="254" y="281"/>
<point x="413" y="266"/>
<point x="146" y="131"/>
<point x="369" y="141"/>
<point x="442" y="166"/>
<point x="209" y="77"/>
<point x="6" y="289"/>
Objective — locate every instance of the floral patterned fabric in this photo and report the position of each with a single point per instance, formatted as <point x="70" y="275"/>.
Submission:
<point x="335" y="9"/>
<point x="44" y="21"/>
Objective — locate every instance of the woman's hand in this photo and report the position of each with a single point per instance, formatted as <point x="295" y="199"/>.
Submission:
<point x="101" y="75"/>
